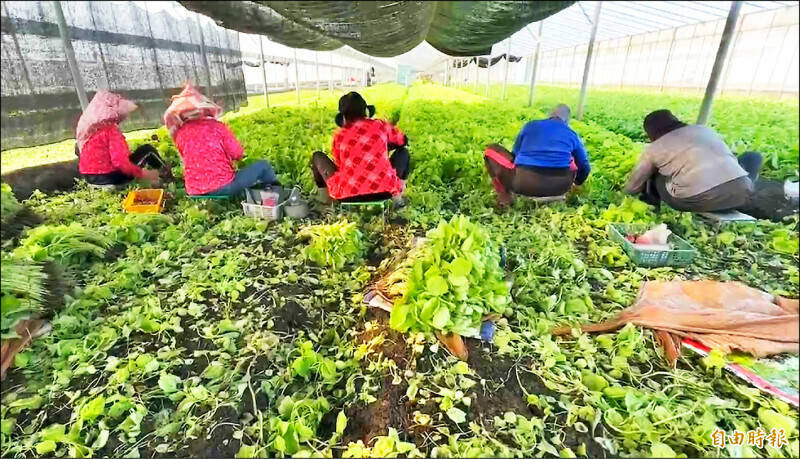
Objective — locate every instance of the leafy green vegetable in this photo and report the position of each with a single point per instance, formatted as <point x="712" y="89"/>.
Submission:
<point x="333" y="245"/>
<point x="452" y="282"/>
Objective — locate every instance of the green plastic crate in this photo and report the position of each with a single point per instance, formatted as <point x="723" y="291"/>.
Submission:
<point x="681" y="255"/>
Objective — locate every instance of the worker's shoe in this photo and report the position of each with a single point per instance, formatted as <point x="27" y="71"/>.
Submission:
<point x="165" y="174"/>
<point x="504" y="199"/>
<point x="323" y="197"/>
<point x="399" y="200"/>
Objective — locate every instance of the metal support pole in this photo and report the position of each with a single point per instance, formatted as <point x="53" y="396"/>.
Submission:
<point x="316" y="64"/>
<point x="535" y="65"/>
<point x="572" y="65"/>
<point x="760" y="55"/>
<point x="588" y="63"/>
<point x="475" y="83"/>
<point x="73" y="64"/>
<point x="688" y="54"/>
<point x="488" y="72"/>
<point x="330" y="73"/>
<point x="669" y="55"/>
<point x="727" y="65"/>
<point x="719" y="61"/>
<point x="264" y="70"/>
<point x="505" y="76"/>
<point x="296" y="77"/>
<point x="446" y="64"/>
<point x="788" y="72"/>
<point x="209" y="89"/>
<point x="625" y="62"/>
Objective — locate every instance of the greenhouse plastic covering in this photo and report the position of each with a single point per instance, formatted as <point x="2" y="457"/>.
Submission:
<point x="381" y="28"/>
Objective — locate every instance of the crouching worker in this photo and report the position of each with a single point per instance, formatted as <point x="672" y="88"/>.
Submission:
<point x="103" y="154"/>
<point x="690" y="168"/>
<point x="548" y="157"/>
<point x="361" y="169"/>
<point x="209" y="149"/>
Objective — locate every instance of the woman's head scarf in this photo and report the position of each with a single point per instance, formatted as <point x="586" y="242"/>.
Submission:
<point x="189" y="105"/>
<point x="105" y="108"/>
<point x="661" y="122"/>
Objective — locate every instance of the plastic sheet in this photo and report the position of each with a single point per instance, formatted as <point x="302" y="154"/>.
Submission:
<point x="721" y="315"/>
<point x="381" y="28"/>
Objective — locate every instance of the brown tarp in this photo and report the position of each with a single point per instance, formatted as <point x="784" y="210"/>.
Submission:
<point x="381" y="28"/>
<point x="721" y="315"/>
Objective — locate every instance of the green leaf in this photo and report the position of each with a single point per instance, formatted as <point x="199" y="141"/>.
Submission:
<point x="101" y="440"/>
<point x="21" y="359"/>
<point x="94" y="408"/>
<point x="774" y="420"/>
<point x="593" y="382"/>
<point x="168" y="383"/>
<point x="436" y="286"/>
<point x="456" y="415"/>
<point x="659" y="449"/>
<point x="441" y="317"/>
<point x="7" y="426"/>
<point x="247" y="451"/>
<point x="45" y="447"/>
<point x="341" y="422"/>
<point x="460" y="267"/>
<point x="726" y="238"/>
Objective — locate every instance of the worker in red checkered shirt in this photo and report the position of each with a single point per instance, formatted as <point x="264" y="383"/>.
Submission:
<point x="362" y="169"/>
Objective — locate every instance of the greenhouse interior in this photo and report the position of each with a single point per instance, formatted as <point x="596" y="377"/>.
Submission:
<point x="400" y="229"/>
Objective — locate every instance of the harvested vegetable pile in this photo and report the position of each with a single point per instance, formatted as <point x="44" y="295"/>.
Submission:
<point x="452" y="282"/>
<point x="202" y="332"/>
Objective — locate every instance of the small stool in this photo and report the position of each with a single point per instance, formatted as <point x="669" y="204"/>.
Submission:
<point x="727" y="216"/>
<point x="109" y="187"/>
<point x="545" y="199"/>
<point x="201" y="197"/>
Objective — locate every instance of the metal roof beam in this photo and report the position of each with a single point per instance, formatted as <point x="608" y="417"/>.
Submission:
<point x="627" y="17"/>
<point x="671" y="13"/>
<point x="693" y="6"/>
<point x="644" y="16"/>
<point x="585" y="14"/>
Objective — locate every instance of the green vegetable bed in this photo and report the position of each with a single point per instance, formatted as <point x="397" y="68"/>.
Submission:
<point x="201" y="332"/>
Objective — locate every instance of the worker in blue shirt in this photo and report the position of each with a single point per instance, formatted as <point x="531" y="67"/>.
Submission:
<point x="548" y="158"/>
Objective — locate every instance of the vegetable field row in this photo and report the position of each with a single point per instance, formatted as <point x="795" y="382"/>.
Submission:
<point x="204" y="332"/>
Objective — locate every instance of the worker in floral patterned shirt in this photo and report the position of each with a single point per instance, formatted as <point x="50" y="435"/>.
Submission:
<point x="208" y="148"/>
<point x="361" y="169"/>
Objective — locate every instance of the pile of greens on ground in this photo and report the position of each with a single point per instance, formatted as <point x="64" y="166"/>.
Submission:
<point x="452" y="282"/>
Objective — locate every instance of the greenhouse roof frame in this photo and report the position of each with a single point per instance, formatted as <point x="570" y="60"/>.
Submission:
<point x="622" y="19"/>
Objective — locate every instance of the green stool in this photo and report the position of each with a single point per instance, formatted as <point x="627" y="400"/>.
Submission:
<point x="202" y="197"/>
<point x="369" y="204"/>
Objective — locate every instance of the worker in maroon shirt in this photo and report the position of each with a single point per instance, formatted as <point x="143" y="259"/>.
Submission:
<point x="361" y="169"/>
<point x="104" y="156"/>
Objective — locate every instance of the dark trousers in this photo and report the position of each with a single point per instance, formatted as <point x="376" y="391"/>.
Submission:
<point x="323" y="168"/>
<point x="524" y="180"/>
<point x="144" y="156"/>
<point x="734" y="194"/>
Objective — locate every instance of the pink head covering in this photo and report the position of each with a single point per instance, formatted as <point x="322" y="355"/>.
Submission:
<point x="189" y="105"/>
<point x="105" y="108"/>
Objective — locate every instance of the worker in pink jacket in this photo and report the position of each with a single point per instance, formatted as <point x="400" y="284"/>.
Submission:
<point x="209" y="149"/>
<point x="104" y="156"/>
